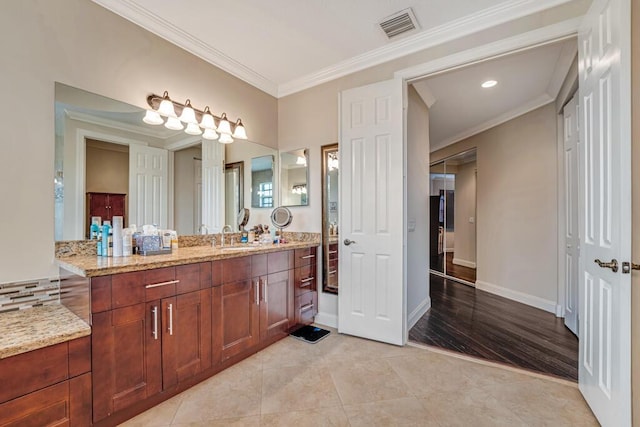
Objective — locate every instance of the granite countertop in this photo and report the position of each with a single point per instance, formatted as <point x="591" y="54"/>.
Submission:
<point x="37" y="327"/>
<point x="92" y="265"/>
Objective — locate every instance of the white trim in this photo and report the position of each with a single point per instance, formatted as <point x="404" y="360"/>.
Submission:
<point x="326" y="319"/>
<point x="541" y="101"/>
<point x="541" y="36"/>
<point x="159" y="132"/>
<point x="464" y="262"/>
<point x="559" y="310"/>
<point x="473" y="23"/>
<point x="188" y="141"/>
<point x="419" y="311"/>
<point x="532" y="300"/>
<point x="151" y="22"/>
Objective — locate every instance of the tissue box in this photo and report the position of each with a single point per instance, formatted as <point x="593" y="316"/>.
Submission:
<point x="151" y="245"/>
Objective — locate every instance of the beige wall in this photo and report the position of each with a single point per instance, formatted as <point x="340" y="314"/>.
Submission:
<point x="184" y="189"/>
<point x="517" y="206"/>
<point x="107" y="169"/>
<point x="79" y="43"/>
<point x="635" y="213"/>
<point x="464" y="251"/>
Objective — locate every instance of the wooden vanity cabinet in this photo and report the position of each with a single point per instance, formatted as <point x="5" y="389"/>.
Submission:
<point x="277" y="297"/>
<point x="153" y="333"/>
<point x="50" y="386"/>
<point x="236" y="315"/>
<point x="305" y="285"/>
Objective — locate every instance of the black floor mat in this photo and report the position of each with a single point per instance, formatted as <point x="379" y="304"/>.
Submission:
<point x="310" y="334"/>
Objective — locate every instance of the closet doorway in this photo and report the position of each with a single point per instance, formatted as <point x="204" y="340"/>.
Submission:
<point x="452" y="209"/>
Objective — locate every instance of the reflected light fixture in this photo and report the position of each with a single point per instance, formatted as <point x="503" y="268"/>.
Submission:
<point x="301" y="160"/>
<point x="489" y="83"/>
<point x="178" y="114"/>
<point x="333" y="161"/>
<point x="299" y="189"/>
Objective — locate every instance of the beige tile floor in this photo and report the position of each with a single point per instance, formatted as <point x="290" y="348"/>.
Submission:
<point x="347" y="381"/>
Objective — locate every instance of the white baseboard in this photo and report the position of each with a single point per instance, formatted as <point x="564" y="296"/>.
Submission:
<point x="559" y="310"/>
<point x="532" y="300"/>
<point x="326" y="319"/>
<point x="419" y="311"/>
<point x="464" y="263"/>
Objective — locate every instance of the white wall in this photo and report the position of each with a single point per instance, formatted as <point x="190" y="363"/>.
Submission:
<point x="517" y="226"/>
<point x="464" y="251"/>
<point x="417" y="252"/>
<point x="81" y="44"/>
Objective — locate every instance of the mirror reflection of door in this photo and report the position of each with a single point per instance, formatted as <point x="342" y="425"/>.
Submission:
<point x="234" y="192"/>
<point x="452" y="213"/>
<point x="330" y="226"/>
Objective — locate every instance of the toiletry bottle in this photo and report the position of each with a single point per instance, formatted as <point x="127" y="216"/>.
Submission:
<point x="127" y="247"/>
<point x="106" y="234"/>
<point x="93" y="230"/>
<point x="244" y="238"/>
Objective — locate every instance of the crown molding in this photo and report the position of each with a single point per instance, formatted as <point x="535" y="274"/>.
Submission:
<point x="151" y="22"/>
<point x="504" y="12"/>
<point x="114" y="124"/>
<point x="538" y="102"/>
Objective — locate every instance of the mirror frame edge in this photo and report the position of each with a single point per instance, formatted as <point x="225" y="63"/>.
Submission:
<point x="324" y="150"/>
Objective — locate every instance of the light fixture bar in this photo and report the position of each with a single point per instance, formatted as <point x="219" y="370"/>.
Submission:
<point x="154" y="102"/>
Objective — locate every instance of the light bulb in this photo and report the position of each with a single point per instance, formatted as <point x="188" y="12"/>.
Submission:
<point x="207" y="121"/>
<point x="239" y="132"/>
<point x="188" y="115"/>
<point x="193" y="129"/>
<point x="225" y="138"/>
<point x="210" y="134"/>
<point x="224" y="126"/>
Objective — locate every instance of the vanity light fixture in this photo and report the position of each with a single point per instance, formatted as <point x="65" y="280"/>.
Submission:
<point x="489" y="83"/>
<point x="299" y="189"/>
<point x="301" y="160"/>
<point x="196" y="120"/>
<point x="333" y="162"/>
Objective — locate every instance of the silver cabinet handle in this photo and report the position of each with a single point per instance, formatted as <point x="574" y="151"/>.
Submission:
<point x="347" y="242"/>
<point x="333" y="252"/>
<point x="154" y="311"/>
<point x="265" y="290"/>
<point x="308" y="256"/>
<point x="332" y="272"/>
<point x="170" y="309"/>
<point x="308" y="279"/>
<point x="258" y="292"/>
<point x="306" y="308"/>
<point x="306" y="282"/>
<point x="157" y="285"/>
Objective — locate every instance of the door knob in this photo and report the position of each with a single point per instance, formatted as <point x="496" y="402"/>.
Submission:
<point x="613" y="265"/>
<point x="347" y="242"/>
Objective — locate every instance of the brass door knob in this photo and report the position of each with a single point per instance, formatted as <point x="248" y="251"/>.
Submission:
<point x="613" y="265"/>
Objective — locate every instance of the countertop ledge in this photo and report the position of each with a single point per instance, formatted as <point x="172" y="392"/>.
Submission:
<point x="38" y="327"/>
<point x="93" y="266"/>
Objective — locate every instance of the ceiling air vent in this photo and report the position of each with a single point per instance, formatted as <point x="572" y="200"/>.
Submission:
<point x="399" y="23"/>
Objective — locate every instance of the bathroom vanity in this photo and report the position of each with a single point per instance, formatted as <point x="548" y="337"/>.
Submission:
<point x="161" y="324"/>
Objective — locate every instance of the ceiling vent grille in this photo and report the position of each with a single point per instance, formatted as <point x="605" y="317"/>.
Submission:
<point x="399" y="23"/>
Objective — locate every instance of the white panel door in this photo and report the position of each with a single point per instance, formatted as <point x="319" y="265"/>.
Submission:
<point x="213" y="185"/>
<point x="572" y="237"/>
<point x="605" y="134"/>
<point x="148" y="170"/>
<point x="371" y="268"/>
<point x="197" y="196"/>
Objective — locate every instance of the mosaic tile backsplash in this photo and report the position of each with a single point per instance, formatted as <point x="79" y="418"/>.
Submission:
<point x="32" y="293"/>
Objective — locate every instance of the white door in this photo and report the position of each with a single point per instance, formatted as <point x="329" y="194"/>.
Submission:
<point x="605" y="134"/>
<point x="213" y="185"/>
<point x="148" y="170"/>
<point x="371" y="268"/>
<point x="572" y="238"/>
<point x="197" y="197"/>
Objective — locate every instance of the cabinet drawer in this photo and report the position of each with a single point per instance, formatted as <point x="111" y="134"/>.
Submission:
<point x="47" y="407"/>
<point x="161" y="282"/>
<point x="236" y="269"/>
<point x="278" y="261"/>
<point x="27" y="372"/>
<point x="332" y="251"/>
<point x="305" y="279"/>
<point x="306" y="307"/>
<point x="305" y="256"/>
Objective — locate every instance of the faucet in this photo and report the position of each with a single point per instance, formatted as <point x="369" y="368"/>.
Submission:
<point x="203" y="228"/>
<point x="225" y="229"/>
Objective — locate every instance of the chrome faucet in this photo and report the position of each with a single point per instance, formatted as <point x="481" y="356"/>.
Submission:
<point x="225" y="229"/>
<point x="203" y="228"/>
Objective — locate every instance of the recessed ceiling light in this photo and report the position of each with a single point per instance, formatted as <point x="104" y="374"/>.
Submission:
<point x="489" y="83"/>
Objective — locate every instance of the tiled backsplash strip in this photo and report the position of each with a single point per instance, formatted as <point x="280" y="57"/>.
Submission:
<point x="32" y="293"/>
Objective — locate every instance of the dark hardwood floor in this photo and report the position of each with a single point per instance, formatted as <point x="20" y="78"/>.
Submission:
<point x="483" y="325"/>
<point x="453" y="270"/>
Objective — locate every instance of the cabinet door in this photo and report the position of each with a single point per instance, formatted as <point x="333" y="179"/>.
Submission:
<point x="236" y="317"/>
<point x="126" y="358"/>
<point x="276" y="304"/>
<point x="117" y="206"/>
<point x="186" y="336"/>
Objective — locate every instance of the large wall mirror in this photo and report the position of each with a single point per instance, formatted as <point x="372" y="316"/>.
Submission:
<point x="262" y="182"/>
<point x="294" y="178"/>
<point x="452" y="214"/>
<point x="148" y="174"/>
<point x="330" y="223"/>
